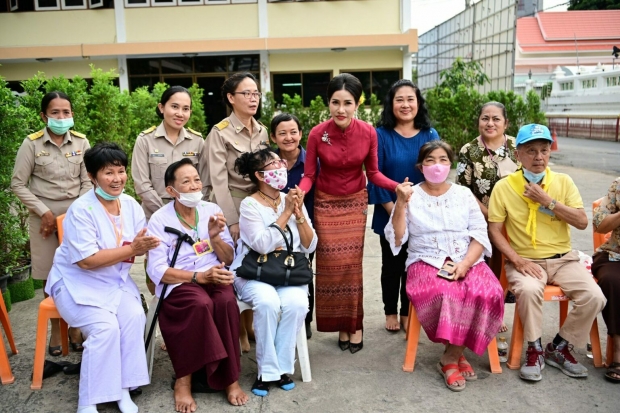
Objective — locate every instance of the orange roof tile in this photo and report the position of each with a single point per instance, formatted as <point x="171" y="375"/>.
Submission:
<point x="556" y="31"/>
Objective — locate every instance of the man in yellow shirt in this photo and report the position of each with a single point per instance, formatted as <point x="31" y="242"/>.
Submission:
<point x="537" y="206"/>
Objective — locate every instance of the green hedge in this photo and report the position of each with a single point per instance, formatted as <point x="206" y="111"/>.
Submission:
<point x="38" y="284"/>
<point x="21" y="291"/>
<point x="6" y="296"/>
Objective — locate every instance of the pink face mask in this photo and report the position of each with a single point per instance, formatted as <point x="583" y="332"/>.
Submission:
<point x="436" y="174"/>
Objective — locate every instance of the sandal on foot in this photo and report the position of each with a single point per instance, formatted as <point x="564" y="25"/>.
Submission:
<point x="286" y="383"/>
<point x="453" y="378"/>
<point x="54" y="351"/>
<point x="260" y="387"/>
<point x="614" y="368"/>
<point x="77" y="347"/>
<point x="465" y="367"/>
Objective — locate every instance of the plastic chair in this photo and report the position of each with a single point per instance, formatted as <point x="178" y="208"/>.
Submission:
<point x="551" y="293"/>
<point x="302" y="347"/>
<point x="47" y="311"/>
<point x="413" y="335"/>
<point x="597" y="241"/>
<point x="6" y="375"/>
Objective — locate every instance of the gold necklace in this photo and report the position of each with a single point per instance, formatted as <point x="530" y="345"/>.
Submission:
<point x="270" y="201"/>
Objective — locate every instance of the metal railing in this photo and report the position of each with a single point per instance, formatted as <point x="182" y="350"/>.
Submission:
<point x="601" y="127"/>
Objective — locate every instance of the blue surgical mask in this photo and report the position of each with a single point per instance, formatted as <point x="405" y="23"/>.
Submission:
<point x="532" y="177"/>
<point x="103" y="194"/>
<point x="59" y="126"/>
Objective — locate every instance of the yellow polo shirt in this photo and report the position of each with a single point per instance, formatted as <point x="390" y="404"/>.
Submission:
<point x="552" y="234"/>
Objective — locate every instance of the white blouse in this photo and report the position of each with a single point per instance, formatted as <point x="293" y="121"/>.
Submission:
<point x="440" y="227"/>
<point x="254" y="232"/>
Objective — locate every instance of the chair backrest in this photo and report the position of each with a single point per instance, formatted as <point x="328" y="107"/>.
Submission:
<point x="598" y="239"/>
<point x="59" y="229"/>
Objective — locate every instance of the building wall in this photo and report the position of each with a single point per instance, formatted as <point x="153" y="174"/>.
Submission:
<point x="334" y="18"/>
<point x="46" y="28"/>
<point x="191" y="23"/>
<point x="68" y="69"/>
<point x="336" y="62"/>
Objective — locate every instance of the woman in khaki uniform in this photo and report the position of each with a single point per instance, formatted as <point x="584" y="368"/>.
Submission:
<point x="227" y="141"/>
<point x="49" y="174"/>
<point x="159" y="146"/>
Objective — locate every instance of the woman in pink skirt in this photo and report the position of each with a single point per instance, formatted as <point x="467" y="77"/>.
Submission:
<point x="462" y="305"/>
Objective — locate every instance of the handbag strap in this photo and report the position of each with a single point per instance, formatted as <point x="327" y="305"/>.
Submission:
<point x="289" y="246"/>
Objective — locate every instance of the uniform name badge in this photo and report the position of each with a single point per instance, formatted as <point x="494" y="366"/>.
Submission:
<point x="202" y="247"/>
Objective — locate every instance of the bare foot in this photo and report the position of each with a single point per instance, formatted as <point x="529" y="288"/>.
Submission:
<point x="163" y="346"/>
<point x="235" y="395"/>
<point x="391" y="323"/>
<point x="183" y="400"/>
<point x="466" y="369"/>
<point x="503" y="328"/>
<point x="243" y="338"/>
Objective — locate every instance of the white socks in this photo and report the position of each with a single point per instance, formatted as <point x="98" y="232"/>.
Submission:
<point x="88" y="409"/>
<point x="125" y="404"/>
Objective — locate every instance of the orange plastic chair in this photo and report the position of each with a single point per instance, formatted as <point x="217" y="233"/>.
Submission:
<point x="47" y="310"/>
<point x="598" y="240"/>
<point x="6" y="375"/>
<point x="413" y="335"/>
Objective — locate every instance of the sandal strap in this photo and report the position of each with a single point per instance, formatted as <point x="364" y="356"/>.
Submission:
<point x="614" y="368"/>
<point x="454" y="377"/>
<point x="464" y="365"/>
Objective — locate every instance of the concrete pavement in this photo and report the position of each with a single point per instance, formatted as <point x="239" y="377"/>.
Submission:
<point x="369" y="381"/>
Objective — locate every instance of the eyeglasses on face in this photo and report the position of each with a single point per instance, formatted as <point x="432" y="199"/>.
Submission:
<point x="278" y="163"/>
<point x="247" y="94"/>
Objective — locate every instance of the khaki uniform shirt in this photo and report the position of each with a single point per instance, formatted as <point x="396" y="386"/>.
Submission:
<point x="152" y="154"/>
<point x="44" y="170"/>
<point x="225" y="143"/>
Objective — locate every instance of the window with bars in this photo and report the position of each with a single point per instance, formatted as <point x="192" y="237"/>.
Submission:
<point x="308" y="85"/>
<point x="376" y="81"/>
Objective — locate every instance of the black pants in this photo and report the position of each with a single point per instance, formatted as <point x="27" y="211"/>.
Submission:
<point x="310" y="296"/>
<point x="393" y="279"/>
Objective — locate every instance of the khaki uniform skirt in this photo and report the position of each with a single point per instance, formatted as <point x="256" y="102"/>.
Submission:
<point x="42" y="250"/>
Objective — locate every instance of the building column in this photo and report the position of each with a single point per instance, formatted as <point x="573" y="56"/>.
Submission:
<point x="265" y="74"/>
<point x="405" y="15"/>
<point x="121" y="37"/>
<point x="407" y="65"/>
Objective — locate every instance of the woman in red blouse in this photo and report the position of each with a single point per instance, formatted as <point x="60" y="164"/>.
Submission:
<point x="343" y="145"/>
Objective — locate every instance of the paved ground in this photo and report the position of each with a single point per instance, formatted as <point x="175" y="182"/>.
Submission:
<point x="369" y="381"/>
<point x="602" y="156"/>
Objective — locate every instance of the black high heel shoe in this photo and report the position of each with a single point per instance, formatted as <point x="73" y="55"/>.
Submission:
<point x="355" y="347"/>
<point x="344" y="345"/>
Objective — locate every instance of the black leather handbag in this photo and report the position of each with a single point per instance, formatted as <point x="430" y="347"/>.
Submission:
<point x="277" y="268"/>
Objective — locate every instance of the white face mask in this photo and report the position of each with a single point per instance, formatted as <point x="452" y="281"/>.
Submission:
<point x="276" y="178"/>
<point x="189" y="199"/>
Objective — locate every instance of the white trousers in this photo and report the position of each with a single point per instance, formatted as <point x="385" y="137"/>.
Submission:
<point x="114" y="357"/>
<point x="279" y="313"/>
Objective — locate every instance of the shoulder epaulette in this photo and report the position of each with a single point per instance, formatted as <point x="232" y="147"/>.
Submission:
<point x="78" y="134"/>
<point x="149" y="130"/>
<point x="36" y="135"/>
<point x="194" y="132"/>
<point x="222" y="124"/>
<point x="261" y="123"/>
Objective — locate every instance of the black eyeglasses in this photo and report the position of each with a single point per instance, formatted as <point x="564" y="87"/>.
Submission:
<point x="247" y="94"/>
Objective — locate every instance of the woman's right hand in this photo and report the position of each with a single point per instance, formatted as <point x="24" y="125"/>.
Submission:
<point x="48" y="224"/>
<point x="218" y="275"/>
<point x="404" y="191"/>
<point x="290" y="201"/>
<point x="143" y="243"/>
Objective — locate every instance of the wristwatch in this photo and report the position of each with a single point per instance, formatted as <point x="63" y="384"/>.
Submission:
<point x="551" y="205"/>
<point x="301" y="220"/>
<point x="194" y="280"/>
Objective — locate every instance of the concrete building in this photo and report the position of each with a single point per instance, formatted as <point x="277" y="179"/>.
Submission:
<point x="566" y="39"/>
<point x="292" y="46"/>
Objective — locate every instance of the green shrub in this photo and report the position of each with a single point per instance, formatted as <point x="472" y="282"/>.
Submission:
<point x="38" y="284"/>
<point x="6" y="296"/>
<point x="21" y="291"/>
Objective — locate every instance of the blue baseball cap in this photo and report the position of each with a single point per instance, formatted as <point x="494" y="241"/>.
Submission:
<point x="533" y="131"/>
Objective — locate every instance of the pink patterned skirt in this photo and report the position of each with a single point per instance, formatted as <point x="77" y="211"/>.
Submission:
<point x="467" y="312"/>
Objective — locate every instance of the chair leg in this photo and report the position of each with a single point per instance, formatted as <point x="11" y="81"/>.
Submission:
<point x="6" y="323"/>
<point x="516" y="342"/>
<point x="609" y="355"/>
<point x="413" y="331"/>
<point x="6" y="375"/>
<point x="150" y="352"/>
<point x="39" y="352"/>
<point x="64" y="336"/>
<point x="563" y="312"/>
<point x="597" y="354"/>
<point x="302" y="355"/>
<point x="496" y="367"/>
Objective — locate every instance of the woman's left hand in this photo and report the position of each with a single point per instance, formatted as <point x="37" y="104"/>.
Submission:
<point x="300" y="202"/>
<point x="217" y="224"/>
<point x="460" y="270"/>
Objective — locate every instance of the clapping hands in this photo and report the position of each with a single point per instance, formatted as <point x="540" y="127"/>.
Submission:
<point x="294" y="201"/>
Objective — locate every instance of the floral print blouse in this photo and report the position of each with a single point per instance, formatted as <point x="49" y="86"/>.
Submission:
<point x="610" y="205"/>
<point x="478" y="171"/>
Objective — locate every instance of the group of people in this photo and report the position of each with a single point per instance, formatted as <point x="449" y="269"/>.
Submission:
<point x="227" y="193"/>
